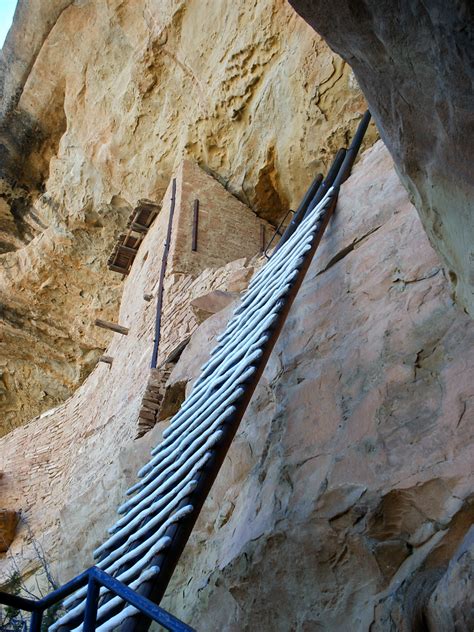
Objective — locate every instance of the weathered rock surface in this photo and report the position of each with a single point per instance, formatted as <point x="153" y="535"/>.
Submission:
<point x="100" y="100"/>
<point x="8" y="523"/>
<point x="50" y="292"/>
<point x="415" y="64"/>
<point x="66" y="454"/>
<point x="145" y="85"/>
<point x="211" y="303"/>
<point x="451" y="606"/>
<point x="346" y="498"/>
<point x="349" y="487"/>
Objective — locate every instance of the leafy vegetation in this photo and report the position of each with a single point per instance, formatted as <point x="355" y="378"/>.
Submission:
<point x="14" y="620"/>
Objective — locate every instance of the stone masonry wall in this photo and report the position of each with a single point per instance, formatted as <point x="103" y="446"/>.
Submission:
<point x="347" y="495"/>
<point x="53" y="465"/>
<point x="227" y="229"/>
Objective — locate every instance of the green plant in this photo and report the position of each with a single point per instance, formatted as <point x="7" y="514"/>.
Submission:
<point x="13" y="620"/>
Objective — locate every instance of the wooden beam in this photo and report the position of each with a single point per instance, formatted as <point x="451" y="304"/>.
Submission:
<point x="106" y="359"/>
<point x="138" y="228"/>
<point x="146" y="414"/>
<point x="263" y="239"/>
<point x="194" y="243"/>
<point x="112" y="326"/>
<point x="127" y="249"/>
<point x="115" y="268"/>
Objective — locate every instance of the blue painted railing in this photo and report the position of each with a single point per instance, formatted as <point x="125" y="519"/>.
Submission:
<point x="94" y="578"/>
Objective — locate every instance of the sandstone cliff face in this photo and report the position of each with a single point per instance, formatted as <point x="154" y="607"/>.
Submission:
<point x="50" y="292"/>
<point x="349" y="489"/>
<point x="100" y="99"/>
<point x="415" y="64"/>
<point x="53" y="467"/>
<point x="346" y="499"/>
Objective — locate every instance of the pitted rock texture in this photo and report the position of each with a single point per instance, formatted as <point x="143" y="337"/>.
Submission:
<point x="346" y="497"/>
<point x="53" y="467"/>
<point x="345" y="501"/>
<point x="100" y="100"/>
<point x="148" y="81"/>
<point x="451" y="606"/>
<point x="415" y="64"/>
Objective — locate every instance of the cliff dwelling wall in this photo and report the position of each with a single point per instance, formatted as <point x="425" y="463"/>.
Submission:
<point x="346" y="501"/>
<point x="101" y="101"/>
<point x="348" y="486"/>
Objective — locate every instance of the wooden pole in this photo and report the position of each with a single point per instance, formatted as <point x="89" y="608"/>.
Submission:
<point x="194" y="246"/>
<point x="161" y="283"/>
<point x="106" y="359"/>
<point x="112" y="326"/>
<point x="262" y="239"/>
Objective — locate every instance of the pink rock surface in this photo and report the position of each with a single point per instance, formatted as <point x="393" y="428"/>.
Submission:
<point x="346" y="492"/>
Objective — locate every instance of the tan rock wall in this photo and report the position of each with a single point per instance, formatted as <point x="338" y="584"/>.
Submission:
<point x="348" y="487"/>
<point x="49" y="293"/>
<point x="246" y="89"/>
<point x="54" y="466"/>
<point x="413" y="62"/>
<point x="102" y="101"/>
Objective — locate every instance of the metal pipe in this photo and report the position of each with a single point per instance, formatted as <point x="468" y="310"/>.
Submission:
<point x="36" y="620"/>
<point x="64" y="591"/>
<point x="150" y="609"/>
<point x="353" y="150"/>
<point x="164" y="261"/>
<point x="92" y="602"/>
<point x="94" y="578"/>
<point x="195" y="225"/>
<point x="300" y="211"/>
<point x="19" y="603"/>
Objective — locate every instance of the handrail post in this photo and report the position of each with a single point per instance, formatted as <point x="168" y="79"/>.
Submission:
<point x="161" y="283"/>
<point x="92" y="602"/>
<point x="36" y="620"/>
